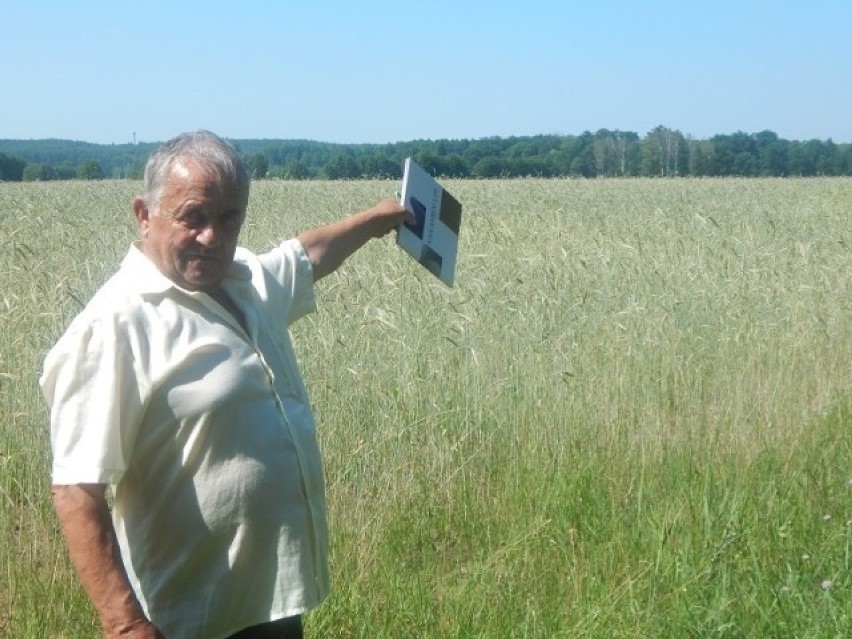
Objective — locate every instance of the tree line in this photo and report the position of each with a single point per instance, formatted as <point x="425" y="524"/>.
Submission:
<point x="662" y="152"/>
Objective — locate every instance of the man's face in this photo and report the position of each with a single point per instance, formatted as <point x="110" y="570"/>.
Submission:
<point x="191" y="233"/>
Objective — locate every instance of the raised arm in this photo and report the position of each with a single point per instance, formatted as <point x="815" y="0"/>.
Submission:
<point x="329" y="246"/>
<point x="90" y="536"/>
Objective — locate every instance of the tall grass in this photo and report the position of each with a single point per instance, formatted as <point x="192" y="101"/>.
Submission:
<point x="630" y="418"/>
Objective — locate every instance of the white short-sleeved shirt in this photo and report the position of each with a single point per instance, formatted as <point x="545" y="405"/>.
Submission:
<point x="206" y="433"/>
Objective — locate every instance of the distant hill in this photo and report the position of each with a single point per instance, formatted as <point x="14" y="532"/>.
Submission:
<point x="605" y="153"/>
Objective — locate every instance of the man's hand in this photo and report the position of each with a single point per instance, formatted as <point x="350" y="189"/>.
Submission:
<point x="390" y="215"/>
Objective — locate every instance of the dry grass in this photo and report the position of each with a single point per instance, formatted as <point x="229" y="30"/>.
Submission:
<point x="629" y="418"/>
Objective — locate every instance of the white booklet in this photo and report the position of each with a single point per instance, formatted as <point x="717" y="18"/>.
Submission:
<point x="433" y="240"/>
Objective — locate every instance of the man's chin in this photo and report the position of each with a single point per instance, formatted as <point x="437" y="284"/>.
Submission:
<point x="202" y="280"/>
<point x="203" y="274"/>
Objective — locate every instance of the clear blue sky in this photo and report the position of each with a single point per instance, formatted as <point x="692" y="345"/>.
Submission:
<point x="390" y="71"/>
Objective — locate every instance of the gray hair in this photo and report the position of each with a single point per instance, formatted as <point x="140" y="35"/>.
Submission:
<point x="205" y="147"/>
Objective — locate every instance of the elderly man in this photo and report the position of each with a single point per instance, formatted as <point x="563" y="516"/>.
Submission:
<point x="177" y="385"/>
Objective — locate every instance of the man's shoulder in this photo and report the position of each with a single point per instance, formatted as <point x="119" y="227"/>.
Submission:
<point x="287" y="263"/>
<point x="115" y="302"/>
<point x="282" y="279"/>
<point x="120" y="298"/>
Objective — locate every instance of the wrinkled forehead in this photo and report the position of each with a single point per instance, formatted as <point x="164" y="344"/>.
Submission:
<point x="191" y="171"/>
<point x="186" y="166"/>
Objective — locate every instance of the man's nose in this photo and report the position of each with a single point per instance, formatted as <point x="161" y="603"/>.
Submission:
<point x="209" y="236"/>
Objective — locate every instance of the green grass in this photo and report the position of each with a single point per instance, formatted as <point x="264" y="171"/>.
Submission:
<point x="630" y="418"/>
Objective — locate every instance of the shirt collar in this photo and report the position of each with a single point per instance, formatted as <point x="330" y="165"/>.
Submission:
<point x="148" y="279"/>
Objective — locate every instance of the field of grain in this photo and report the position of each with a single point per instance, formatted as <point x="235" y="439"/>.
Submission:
<point x="630" y="418"/>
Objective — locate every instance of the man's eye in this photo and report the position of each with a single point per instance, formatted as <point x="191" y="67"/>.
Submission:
<point x="192" y="220"/>
<point x="231" y="220"/>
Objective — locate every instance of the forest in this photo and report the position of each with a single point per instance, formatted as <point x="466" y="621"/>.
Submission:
<point x="662" y="152"/>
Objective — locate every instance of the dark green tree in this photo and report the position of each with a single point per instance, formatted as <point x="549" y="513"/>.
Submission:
<point x="379" y="165"/>
<point x="32" y="172"/>
<point x="734" y="154"/>
<point x="843" y="159"/>
<point x="39" y="172"/>
<point x="455" y="166"/>
<point x="700" y="161"/>
<point x="489" y="167"/>
<point x="11" y="168"/>
<point x="295" y="170"/>
<point x="342" y="167"/>
<point x="804" y="157"/>
<point x="258" y="166"/>
<point x="771" y="154"/>
<point x="90" y="170"/>
<point x="826" y="163"/>
<point x="431" y="162"/>
<point x="583" y="164"/>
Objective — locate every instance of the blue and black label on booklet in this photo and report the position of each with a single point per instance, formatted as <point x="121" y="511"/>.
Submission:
<point x="419" y="209"/>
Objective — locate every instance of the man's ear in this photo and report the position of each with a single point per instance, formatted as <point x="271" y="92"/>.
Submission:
<point x="142" y="215"/>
